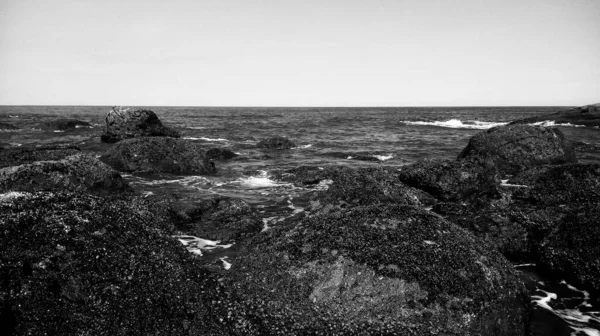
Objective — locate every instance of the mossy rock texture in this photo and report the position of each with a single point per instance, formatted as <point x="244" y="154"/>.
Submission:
<point x="159" y="154"/>
<point x="379" y="269"/>
<point x="514" y="148"/>
<point x="19" y="156"/>
<point x="74" y="264"/>
<point x="125" y="122"/>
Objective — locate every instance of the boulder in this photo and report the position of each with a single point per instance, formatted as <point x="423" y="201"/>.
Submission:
<point x="7" y="127"/>
<point x="129" y="122"/>
<point x="159" y="154"/>
<point x="63" y="125"/>
<point x="74" y="264"/>
<point x="380" y="269"/>
<point x="588" y="115"/>
<point x="79" y="172"/>
<point x="220" y="154"/>
<point x="514" y="148"/>
<point x="450" y="180"/>
<point x="19" y="156"/>
<point x="276" y="143"/>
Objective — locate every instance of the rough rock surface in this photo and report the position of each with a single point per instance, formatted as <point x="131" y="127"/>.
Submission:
<point x="128" y="122"/>
<point x="19" y="156"/>
<point x="450" y="180"/>
<point x="63" y="125"/>
<point x="79" y="172"/>
<point x="5" y="126"/>
<point x="220" y="154"/>
<point x="515" y="148"/>
<point x="380" y="269"/>
<point x="276" y="143"/>
<point x="588" y="115"/>
<point x="75" y="264"/>
<point x="158" y="154"/>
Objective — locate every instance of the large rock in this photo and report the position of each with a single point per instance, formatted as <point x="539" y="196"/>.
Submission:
<point x="7" y="127"/>
<point x="515" y="148"/>
<point x="19" y="156"/>
<point x="79" y="172"/>
<point x="63" y="125"/>
<point x="129" y="122"/>
<point x="588" y="115"/>
<point x="374" y="270"/>
<point x="73" y="264"/>
<point x="159" y="154"/>
<point x="276" y="143"/>
<point x="450" y="180"/>
<point x="220" y="154"/>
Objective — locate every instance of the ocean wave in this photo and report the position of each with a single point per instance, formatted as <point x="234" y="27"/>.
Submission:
<point x="205" y="139"/>
<point x="193" y="181"/>
<point x="456" y="123"/>
<point x="303" y="146"/>
<point x="552" y="123"/>
<point x="383" y="157"/>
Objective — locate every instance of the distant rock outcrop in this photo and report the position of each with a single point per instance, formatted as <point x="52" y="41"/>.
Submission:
<point x="159" y="154"/>
<point x="588" y="115"/>
<point x="23" y="155"/>
<point x="220" y="154"/>
<point x="514" y="148"/>
<point x="9" y="127"/>
<point x="128" y="122"/>
<point x="276" y="143"/>
<point x="63" y="125"/>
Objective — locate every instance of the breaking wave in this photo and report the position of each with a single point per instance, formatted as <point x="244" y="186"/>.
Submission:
<point x="456" y="123"/>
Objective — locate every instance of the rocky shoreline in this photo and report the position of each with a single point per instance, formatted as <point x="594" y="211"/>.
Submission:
<point x="423" y="249"/>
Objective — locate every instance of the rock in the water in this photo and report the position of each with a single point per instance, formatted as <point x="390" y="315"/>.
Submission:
<point x="19" y="156"/>
<point x="374" y="270"/>
<point x="80" y="172"/>
<point x="159" y="154"/>
<point x="588" y="115"/>
<point x="571" y="252"/>
<point x="128" y="122"/>
<point x="515" y="148"/>
<point x="75" y="264"/>
<point x="63" y="125"/>
<point x="220" y="154"/>
<point x="5" y="126"/>
<point x="276" y="143"/>
<point x="450" y="180"/>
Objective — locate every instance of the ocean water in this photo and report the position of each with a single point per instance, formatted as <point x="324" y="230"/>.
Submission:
<point x="355" y="137"/>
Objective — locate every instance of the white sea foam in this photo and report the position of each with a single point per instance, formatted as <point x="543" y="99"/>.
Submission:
<point x="59" y="131"/>
<point x="261" y="181"/>
<point x="552" y="123"/>
<point x="304" y="146"/>
<point x="456" y="123"/>
<point x="196" y="127"/>
<point x="83" y="126"/>
<point x="193" y="181"/>
<point x="383" y="157"/>
<point x="205" y="139"/>
<point x="226" y="265"/>
<point x="197" y="245"/>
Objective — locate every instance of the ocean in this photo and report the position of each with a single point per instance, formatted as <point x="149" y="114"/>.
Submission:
<point x="356" y="136"/>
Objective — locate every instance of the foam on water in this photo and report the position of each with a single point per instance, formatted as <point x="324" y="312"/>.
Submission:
<point x="456" y="123"/>
<point x="383" y="157"/>
<point x="304" y="146"/>
<point x="259" y="182"/>
<point x="197" y="245"/>
<point x="552" y="123"/>
<point x="205" y="139"/>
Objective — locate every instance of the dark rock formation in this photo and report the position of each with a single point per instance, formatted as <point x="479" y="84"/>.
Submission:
<point x="74" y="264"/>
<point x="128" y="122"/>
<point x="588" y="115"/>
<point x="376" y="270"/>
<point x="5" y="126"/>
<point x="158" y="154"/>
<point x="220" y="154"/>
<point x="19" y="156"/>
<point x="75" y="173"/>
<point x="516" y="148"/>
<point x="63" y="125"/>
<point x="276" y="143"/>
<point x="450" y="180"/>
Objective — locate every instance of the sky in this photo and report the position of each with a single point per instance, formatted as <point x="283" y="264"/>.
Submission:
<point x="300" y="53"/>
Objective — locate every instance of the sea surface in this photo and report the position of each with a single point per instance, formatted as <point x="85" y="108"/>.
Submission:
<point x="357" y="137"/>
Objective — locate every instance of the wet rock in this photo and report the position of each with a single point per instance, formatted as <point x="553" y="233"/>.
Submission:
<point x="159" y="154"/>
<point x="220" y="154"/>
<point x="450" y="180"/>
<point x="75" y="264"/>
<point x="63" y="125"/>
<point x="79" y="172"/>
<point x="516" y="148"/>
<point x="128" y="122"/>
<point x="588" y="115"/>
<point x="19" y="156"/>
<point x="276" y="143"/>
<point x="376" y="269"/>
<point x="571" y="252"/>
<point x="5" y="126"/>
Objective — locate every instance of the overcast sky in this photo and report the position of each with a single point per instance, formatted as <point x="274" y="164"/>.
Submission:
<point x="300" y="53"/>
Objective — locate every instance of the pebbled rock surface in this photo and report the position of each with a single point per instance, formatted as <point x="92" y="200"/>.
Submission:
<point x="5" y="126"/>
<point x="79" y="172"/>
<point x="220" y="154"/>
<point x="159" y="154"/>
<point x="450" y="180"/>
<point x="124" y="122"/>
<point x="74" y="264"/>
<point x="379" y="269"/>
<point x="514" y="148"/>
<point x="63" y="125"/>
<point x="19" y="156"/>
<point x="276" y="143"/>
<point x="588" y="115"/>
